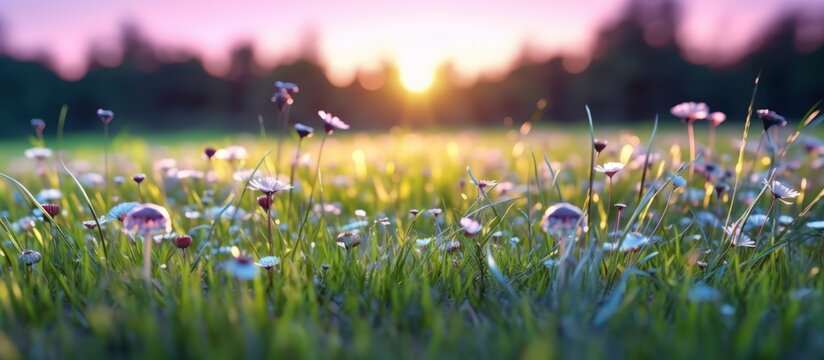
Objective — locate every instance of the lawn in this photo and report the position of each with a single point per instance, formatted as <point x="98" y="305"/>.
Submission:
<point x="427" y="244"/>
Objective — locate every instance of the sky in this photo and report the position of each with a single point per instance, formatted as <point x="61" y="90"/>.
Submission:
<point x="479" y="37"/>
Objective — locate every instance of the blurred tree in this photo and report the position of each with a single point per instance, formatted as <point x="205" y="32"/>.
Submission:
<point x="635" y="70"/>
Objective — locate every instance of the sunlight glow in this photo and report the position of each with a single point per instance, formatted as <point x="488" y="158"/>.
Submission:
<point x="417" y="73"/>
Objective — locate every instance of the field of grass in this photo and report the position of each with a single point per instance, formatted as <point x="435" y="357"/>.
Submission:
<point x="367" y="269"/>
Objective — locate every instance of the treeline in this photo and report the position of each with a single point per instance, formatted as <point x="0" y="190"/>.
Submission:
<point x="636" y="70"/>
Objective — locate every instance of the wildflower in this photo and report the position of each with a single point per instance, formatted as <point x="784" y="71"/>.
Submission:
<point x="360" y="213"/>
<point x="755" y="220"/>
<point x="779" y="191"/>
<point x="182" y="241"/>
<point x="138" y="178"/>
<point x="770" y="118"/>
<point x="325" y="266"/>
<point x="327" y="209"/>
<point x="268" y="185"/>
<point x="737" y="237"/>
<point x="242" y="267"/>
<point x="290" y="88"/>
<point x="148" y="220"/>
<point x="483" y="184"/>
<point x="451" y="246"/>
<point x="209" y="152"/>
<point x="118" y="180"/>
<point x="599" y="145"/>
<point x="106" y="116"/>
<point x="423" y="242"/>
<point x="39" y="125"/>
<point x="192" y="214"/>
<point x="90" y="224"/>
<point x="228" y="212"/>
<point x="265" y="202"/>
<point x="703" y="293"/>
<point x="620" y="206"/>
<point x="690" y="111"/>
<point x="610" y="168"/>
<point x="304" y="131"/>
<point x="165" y="165"/>
<point x="818" y="225"/>
<point x="29" y="257"/>
<point x="232" y="153"/>
<point x="720" y="189"/>
<point x="632" y="242"/>
<point x="49" y="195"/>
<point x="119" y="211"/>
<point x="332" y="122"/>
<point x="25" y="223"/>
<point x="514" y="241"/>
<point x="716" y="118"/>
<point x="784" y="220"/>
<point x="281" y="98"/>
<point x="38" y="153"/>
<point x="269" y="262"/>
<point x="563" y="220"/>
<point x="243" y="175"/>
<point x="52" y="209"/>
<point x="470" y="227"/>
<point x="414" y="212"/>
<point x="435" y="212"/>
<point x="383" y="221"/>
<point x="678" y="182"/>
<point x="92" y="179"/>
<point x="348" y="240"/>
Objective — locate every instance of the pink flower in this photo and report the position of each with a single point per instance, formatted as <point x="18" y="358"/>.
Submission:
<point x="716" y="118"/>
<point x="332" y="122"/>
<point x="148" y="220"/>
<point x="690" y="111"/>
<point x="470" y="227"/>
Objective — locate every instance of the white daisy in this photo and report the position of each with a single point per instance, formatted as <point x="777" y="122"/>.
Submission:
<point x="232" y="153"/>
<point x="780" y="192"/>
<point x="632" y="242"/>
<point x="268" y="185"/>
<point x="737" y="237"/>
<point x="610" y="168"/>
<point x="38" y="153"/>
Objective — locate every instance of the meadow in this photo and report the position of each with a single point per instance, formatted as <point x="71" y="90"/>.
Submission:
<point x="401" y="244"/>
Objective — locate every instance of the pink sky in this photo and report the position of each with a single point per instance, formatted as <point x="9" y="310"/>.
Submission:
<point x="479" y="37"/>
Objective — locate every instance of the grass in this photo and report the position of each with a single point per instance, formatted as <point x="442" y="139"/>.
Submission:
<point x="390" y="296"/>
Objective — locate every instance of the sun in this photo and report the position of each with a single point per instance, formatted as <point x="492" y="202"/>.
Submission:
<point x="416" y="76"/>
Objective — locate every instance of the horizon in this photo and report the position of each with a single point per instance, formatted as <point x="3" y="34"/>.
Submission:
<point x="346" y="45"/>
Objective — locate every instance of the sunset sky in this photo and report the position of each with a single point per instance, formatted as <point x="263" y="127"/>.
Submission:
<point x="478" y="37"/>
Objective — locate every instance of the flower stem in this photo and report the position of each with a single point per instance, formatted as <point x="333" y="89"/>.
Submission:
<point x="284" y="120"/>
<point x="712" y="140"/>
<point x="691" y="132"/>
<point x="311" y="196"/>
<point x="592" y="160"/>
<point x="609" y="201"/>
<point x="292" y="179"/>
<point x="147" y="260"/>
<point x="767" y="216"/>
<point x="269" y="225"/>
<point x="663" y="213"/>
<point x="106" y="162"/>
<point x="618" y="222"/>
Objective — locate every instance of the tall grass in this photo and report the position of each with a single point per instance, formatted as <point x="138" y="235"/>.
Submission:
<point x="504" y="292"/>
